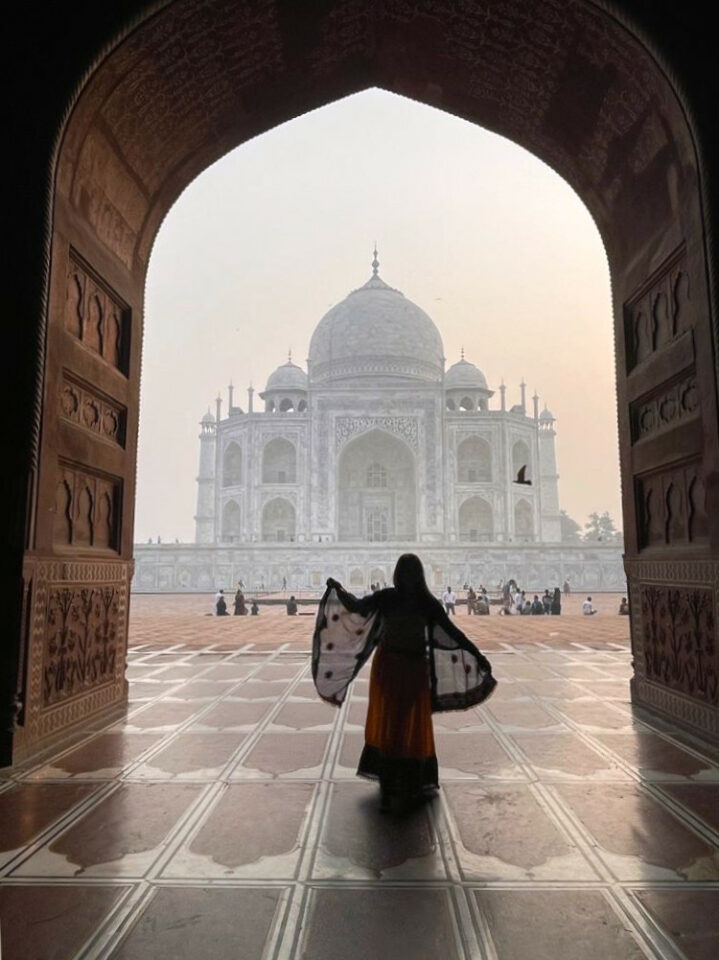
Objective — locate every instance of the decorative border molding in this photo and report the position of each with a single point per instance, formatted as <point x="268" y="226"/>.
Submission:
<point x="88" y="409"/>
<point x="699" y="716"/>
<point x="406" y="428"/>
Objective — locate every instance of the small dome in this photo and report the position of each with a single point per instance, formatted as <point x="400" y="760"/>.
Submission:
<point x="465" y="374"/>
<point x="546" y="414"/>
<point x="208" y="418"/>
<point x="287" y="377"/>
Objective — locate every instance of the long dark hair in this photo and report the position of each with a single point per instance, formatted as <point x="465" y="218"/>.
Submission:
<point x="409" y="580"/>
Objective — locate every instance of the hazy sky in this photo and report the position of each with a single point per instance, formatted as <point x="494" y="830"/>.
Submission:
<point x="483" y="236"/>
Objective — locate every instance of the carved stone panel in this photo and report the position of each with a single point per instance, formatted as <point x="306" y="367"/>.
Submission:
<point x="672" y="506"/>
<point x="83" y="405"/>
<point x="87" y="509"/>
<point x="679" y="640"/>
<point x="406" y="428"/>
<point x="76" y="660"/>
<point x="659" y="311"/>
<point x="96" y="315"/>
<point x="665" y="408"/>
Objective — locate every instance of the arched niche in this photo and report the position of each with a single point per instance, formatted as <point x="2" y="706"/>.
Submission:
<point x="376" y="489"/>
<point x="230" y="531"/>
<point x="279" y="461"/>
<point x="287" y="405"/>
<point x="523" y="520"/>
<point x="466" y="405"/>
<point x="521" y="457"/>
<point x="278" y="521"/>
<point x="476" y="520"/>
<point x="232" y="465"/>
<point x="474" y="460"/>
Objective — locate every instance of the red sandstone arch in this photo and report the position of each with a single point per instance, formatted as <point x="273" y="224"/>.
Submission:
<point x="195" y="78"/>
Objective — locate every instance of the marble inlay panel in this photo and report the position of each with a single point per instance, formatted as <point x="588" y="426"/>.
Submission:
<point x="120" y="836"/>
<point x="232" y="714"/>
<point x="702" y="799"/>
<point x="305" y="715"/>
<point x="656" y="758"/>
<point x="382" y="924"/>
<point x="284" y="755"/>
<point x="472" y="755"/>
<point x="192" y="755"/>
<point x="362" y="842"/>
<point x="555" y="925"/>
<point x="27" y="809"/>
<point x="103" y="757"/>
<point x="185" y="923"/>
<point x="688" y="917"/>
<point x="522" y="715"/>
<point x="46" y="922"/>
<point x="640" y="839"/>
<point x="563" y="756"/>
<point x="504" y="834"/>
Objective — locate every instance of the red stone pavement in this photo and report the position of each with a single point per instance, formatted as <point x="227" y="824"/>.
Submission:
<point x="166" y="620"/>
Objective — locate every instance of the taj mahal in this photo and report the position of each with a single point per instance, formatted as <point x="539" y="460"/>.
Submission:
<point x="375" y="450"/>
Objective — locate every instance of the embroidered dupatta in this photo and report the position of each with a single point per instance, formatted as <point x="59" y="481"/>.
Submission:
<point x="348" y="629"/>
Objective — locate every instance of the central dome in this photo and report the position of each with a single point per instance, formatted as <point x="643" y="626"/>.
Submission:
<point x="375" y="332"/>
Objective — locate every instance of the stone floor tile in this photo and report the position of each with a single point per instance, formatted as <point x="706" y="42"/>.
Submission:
<point x="384" y="924"/>
<point x="200" y="690"/>
<point x="472" y="719"/>
<point x="298" y="716"/>
<point x="555" y="925"/>
<point x="701" y="799"/>
<point x="522" y="715"/>
<point x="261" y="690"/>
<point x="232" y="714"/>
<point x="101" y="758"/>
<point x="119" y="837"/>
<point x="504" y="833"/>
<point x="359" y="841"/>
<point x="230" y="671"/>
<point x="350" y="750"/>
<point x="688" y="918"/>
<point x="605" y="689"/>
<point x="27" y="809"/>
<point x="192" y="755"/>
<point x="253" y="831"/>
<point x="563" y="756"/>
<point x="47" y="922"/>
<point x="191" y="923"/>
<point x="558" y="690"/>
<point x="593" y="715"/>
<point x="472" y="755"/>
<point x="657" y="759"/>
<point x="286" y="670"/>
<point x="639" y="838"/>
<point x="284" y="755"/>
<point x="165" y="714"/>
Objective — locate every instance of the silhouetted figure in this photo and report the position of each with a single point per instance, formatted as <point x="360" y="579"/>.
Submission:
<point x="521" y="476"/>
<point x="284" y="583"/>
<point x="471" y="600"/>
<point x="624" y="608"/>
<point x="291" y="607"/>
<point x="254" y="609"/>
<point x="547" y="601"/>
<point x="413" y="639"/>
<point x="537" y="607"/>
<point x="221" y="605"/>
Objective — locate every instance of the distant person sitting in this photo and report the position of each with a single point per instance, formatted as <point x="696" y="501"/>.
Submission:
<point x="481" y="605"/>
<point x="526" y="610"/>
<point x="587" y="608"/>
<point x="254" y="609"/>
<point x="221" y="604"/>
<point x="537" y="607"/>
<point x="240" y="608"/>
<point x="291" y="607"/>
<point x="624" y="608"/>
<point x="449" y="599"/>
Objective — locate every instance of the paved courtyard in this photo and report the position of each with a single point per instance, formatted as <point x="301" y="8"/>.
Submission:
<point x="221" y="817"/>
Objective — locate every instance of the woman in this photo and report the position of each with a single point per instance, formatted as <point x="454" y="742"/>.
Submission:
<point x="423" y="663"/>
<point x="240" y="607"/>
<point x="556" y="607"/>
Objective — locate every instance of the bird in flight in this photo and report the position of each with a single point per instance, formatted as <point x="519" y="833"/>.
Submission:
<point x="521" y="478"/>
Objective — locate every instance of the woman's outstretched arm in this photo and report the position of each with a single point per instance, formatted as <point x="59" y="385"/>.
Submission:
<point x="362" y="605"/>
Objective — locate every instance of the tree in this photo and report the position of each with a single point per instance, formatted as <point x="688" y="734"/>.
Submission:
<point x="571" y="531"/>
<point x="600" y="527"/>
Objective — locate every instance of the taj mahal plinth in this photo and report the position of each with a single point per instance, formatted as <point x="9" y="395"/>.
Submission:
<point x="376" y="450"/>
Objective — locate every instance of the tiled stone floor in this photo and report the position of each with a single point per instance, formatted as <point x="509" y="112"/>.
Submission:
<point x="221" y="818"/>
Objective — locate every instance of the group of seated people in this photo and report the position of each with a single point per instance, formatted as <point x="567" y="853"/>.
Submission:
<point x="240" y="607"/>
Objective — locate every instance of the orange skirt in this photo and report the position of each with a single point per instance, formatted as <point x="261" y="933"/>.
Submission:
<point x="399" y="746"/>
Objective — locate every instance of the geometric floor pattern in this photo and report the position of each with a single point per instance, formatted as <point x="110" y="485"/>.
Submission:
<point x="221" y="818"/>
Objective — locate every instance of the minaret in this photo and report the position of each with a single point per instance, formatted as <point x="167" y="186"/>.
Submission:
<point x="250" y="398"/>
<point x="551" y="525"/>
<point x="503" y="394"/>
<point x="230" y="392"/>
<point x="205" y="516"/>
<point x="218" y="407"/>
<point x="535" y="401"/>
<point x="523" y="388"/>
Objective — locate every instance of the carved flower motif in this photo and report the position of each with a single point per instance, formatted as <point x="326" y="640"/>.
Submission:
<point x="90" y="413"/>
<point x="109" y="423"/>
<point x="69" y="401"/>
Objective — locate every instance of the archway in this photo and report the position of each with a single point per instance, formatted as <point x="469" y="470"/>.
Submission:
<point x="521" y="457"/>
<point x="523" y="521"/>
<point x="232" y="465"/>
<point x="279" y="461"/>
<point x="476" y="520"/>
<point x="278" y="521"/>
<point x="231" y="529"/>
<point x="474" y="460"/>
<point x="599" y="110"/>
<point x="376" y="489"/>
